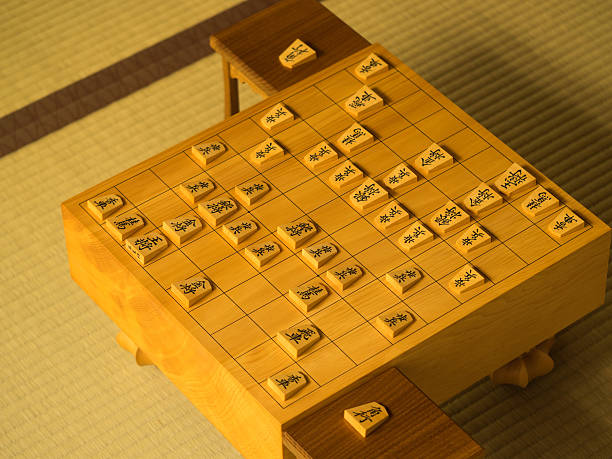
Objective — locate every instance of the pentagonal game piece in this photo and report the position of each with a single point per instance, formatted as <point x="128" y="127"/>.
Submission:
<point x="320" y="253"/>
<point x="415" y="236"/>
<point x="355" y="137"/>
<point x="366" y="418"/>
<point x="538" y="202"/>
<point x="367" y="195"/>
<point x="262" y="252"/>
<point x="252" y="191"/>
<point x="514" y="180"/>
<point x="393" y="214"/>
<point x="194" y="190"/>
<point x="192" y="290"/>
<point x="297" y="53"/>
<point x="206" y="152"/>
<point x="565" y="224"/>
<point x="394" y="321"/>
<point x="399" y="177"/>
<point x="180" y="229"/>
<point x="103" y="206"/>
<point x="370" y="67"/>
<point x="266" y="153"/>
<point x="320" y="156"/>
<point x="146" y="247"/>
<point x="294" y="234"/>
<point x="433" y="159"/>
<point x="362" y="103"/>
<point x="122" y="226"/>
<point x="448" y="218"/>
<point x="482" y="198"/>
<point x="473" y="238"/>
<point x="345" y="175"/>
<point x="343" y="276"/>
<point x="308" y="295"/>
<point x="216" y="210"/>
<point x="402" y="279"/>
<point x="298" y="339"/>
<point x="237" y="231"/>
<point x="466" y="279"/>
<point x="286" y="384"/>
<point x="276" y="118"/>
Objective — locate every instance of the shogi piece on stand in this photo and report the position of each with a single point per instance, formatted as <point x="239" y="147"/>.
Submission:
<point x="367" y="195"/>
<point x="278" y="117"/>
<point x="104" y="206"/>
<point x="394" y="321"/>
<point x="448" y="218"/>
<point x="416" y="235"/>
<point x="366" y="418"/>
<point x="206" y="152"/>
<point x="482" y="198"/>
<point x="181" y="229"/>
<point x="399" y="177"/>
<point x="194" y="190"/>
<point x="400" y="280"/>
<point x="266" y="153"/>
<point x="297" y="53"/>
<point x="514" y="180"/>
<point x="466" y="279"/>
<point x="146" y="247"/>
<point x="262" y="252"/>
<point x="433" y="159"/>
<point x="343" y="276"/>
<point x="320" y="253"/>
<point x="216" y="210"/>
<point x="239" y="230"/>
<point x="192" y="290"/>
<point x="251" y="191"/>
<point x="124" y="225"/>
<point x="345" y="175"/>
<point x="320" y="156"/>
<point x="364" y="102"/>
<point x="354" y="138"/>
<point x="538" y="202"/>
<point x="473" y="238"/>
<point x="565" y="224"/>
<point x="308" y="295"/>
<point x="391" y="215"/>
<point x="294" y="234"/>
<point x="298" y="339"/>
<point x="370" y="67"/>
<point x="286" y="384"/>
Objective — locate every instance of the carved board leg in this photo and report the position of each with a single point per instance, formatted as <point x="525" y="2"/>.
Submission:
<point x="126" y="343"/>
<point x="522" y="370"/>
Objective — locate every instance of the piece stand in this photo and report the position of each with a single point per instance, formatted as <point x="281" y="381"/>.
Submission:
<point x="524" y="369"/>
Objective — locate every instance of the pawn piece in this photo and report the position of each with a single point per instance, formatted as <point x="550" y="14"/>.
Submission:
<point x="192" y="290"/>
<point x="252" y="191"/>
<point x="394" y="321"/>
<point x="286" y="384"/>
<point x="481" y="199"/>
<point x="146" y="247"/>
<point x="354" y="138"/>
<point x="466" y="279"/>
<point x="565" y="224"/>
<point x="320" y="253"/>
<point x="343" y="276"/>
<point x="366" y="418"/>
<point x="294" y="234"/>
<point x="415" y="236"/>
<point x="266" y="153"/>
<point x="194" y="190"/>
<point x="122" y="226"/>
<point x="401" y="280"/>
<point x="391" y="215"/>
<point x="370" y="67"/>
<point x="262" y="252"/>
<point x="364" y="102"/>
<point x="367" y="195"/>
<point x="448" y="218"/>
<point x="103" y="206"/>
<point x="298" y="339"/>
<point x="308" y="295"/>
<point x="181" y="229"/>
<point x="216" y="210"/>
<point x="514" y="180"/>
<point x="297" y="53"/>
<point x="473" y="238"/>
<point x="538" y="202"/>
<point x="239" y="230"/>
<point x="320" y="156"/>
<point x="276" y="118"/>
<point x="207" y="152"/>
<point x="345" y="175"/>
<point x="399" y="177"/>
<point x="433" y="159"/>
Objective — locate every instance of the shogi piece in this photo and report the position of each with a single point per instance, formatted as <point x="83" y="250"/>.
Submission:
<point x="473" y="238"/>
<point x="297" y="53"/>
<point x="252" y="191"/>
<point x="286" y="384"/>
<point x="320" y="253"/>
<point x="415" y="236"/>
<point x="367" y="195"/>
<point x="266" y="153"/>
<point x="355" y="137"/>
<point x="194" y="190"/>
<point x="363" y="102"/>
<point x="401" y="280"/>
<point x="104" y="206"/>
<point x="448" y="218"/>
<point x="433" y="159"/>
<point x="216" y="210"/>
<point x="206" y="152"/>
<point x="466" y="279"/>
<point x="298" y="339"/>
<point x="294" y="234"/>
<point x="308" y="295"/>
<point x="262" y="252"/>
<point x="122" y="226"/>
<point x="394" y="321"/>
<point x="565" y="224"/>
<point x="514" y="181"/>
<point x="192" y="290"/>
<point x="239" y="230"/>
<point x="399" y="177"/>
<point x="370" y="67"/>
<point x="345" y="175"/>
<point x="146" y="247"/>
<point x="482" y="198"/>
<point x="180" y="229"/>
<point x="278" y="117"/>
<point x="320" y="156"/>
<point x="538" y="202"/>
<point x="393" y="214"/>
<point x="366" y="418"/>
<point x="343" y="276"/>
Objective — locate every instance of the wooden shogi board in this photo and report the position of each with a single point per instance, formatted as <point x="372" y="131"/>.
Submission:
<point x="221" y="350"/>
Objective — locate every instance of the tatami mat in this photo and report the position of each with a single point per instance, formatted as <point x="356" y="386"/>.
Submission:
<point x="536" y="74"/>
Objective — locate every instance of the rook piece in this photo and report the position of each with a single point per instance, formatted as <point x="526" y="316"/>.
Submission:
<point x="262" y="252"/>
<point x="308" y="295"/>
<point x="239" y="230"/>
<point x="514" y="181"/>
<point x="146" y="247"/>
<point x="103" y="206"/>
<point x="216" y="210"/>
<point x="251" y="191"/>
<point x="415" y="236"/>
<point x="191" y="290"/>
<point x="473" y="238"/>
<point x="367" y="195"/>
<point x="318" y="254"/>
<point x="401" y="176"/>
<point x="278" y="117"/>
<point x="392" y="215"/>
<point x="124" y="225"/>
<point x="298" y="53"/>
<point x="466" y="279"/>
<point x="354" y="137"/>
<point x="370" y="67"/>
<point x="294" y="234"/>
<point x="538" y="202"/>
<point x="401" y="280"/>
<point x="207" y="152"/>
<point x="366" y="418"/>
<point x="320" y="156"/>
<point x="286" y="384"/>
<point x="564" y="224"/>
<point x="345" y="175"/>
<point x="363" y="102"/>
<point x="194" y="190"/>
<point x="482" y="198"/>
<point x="266" y="153"/>
<point x="394" y="321"/>
<point x="180" y="229"/>
<point x="343" y="276"/>
<point x="449" y="218"/>
<point x="298" y="339"/>
<point x="433" y="159"/>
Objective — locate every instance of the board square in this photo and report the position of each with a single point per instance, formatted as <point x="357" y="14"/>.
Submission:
<point x="357" y="236"/>
<point x="439" y="260"/>
<point x="310" y="195"/>
<point x="408" y="143"/>
<point x="288" y="273"/>
<point x="337" y="319"/>
<point x="326" y="363"/>
<point x="234" y="171"/>
<point x="253" y="293"/>
<point x="164" y="206"/>
<point x="371" y="299"/>
<point x="330" y="121"/>
<point x="208" y="250"/>
<point x="177" y="169"/>
<point x="231" y="271"/>
<point x="464" y="144"/>
<point x="240" y="336"/>
<point x="172" y="268"/>
<point x="487" y="164"/>
<point x="288" y="174"/>
<point x="423" y="199"/>
<point x="417" y="106"/>
<point x="376" y="159"/>
<point x="505" y="222"/>
<point x="440" y="125"/>
<point x="432" y="302"/>
<point x="394" y="87"/>
<point x="308" y="102"/>
<point x="339" y="86"/>
<point x="264" y="360"/>
<point x="277" y="315"/>
<point x="531" y="244"/>
<point x="362" y="343"/>
<point x="498" y="263"/>
<point x="142" y="187"/>
<point x="243" y="135"/>
<point x="298" y="138"/>
<point x="276" y="212"/>
<point x="384" y="123"/>
<point x="381" y="257"/>
<point x="455" y="181"/>
<point x="334" y="215"/>
<point x="216" y="313"/>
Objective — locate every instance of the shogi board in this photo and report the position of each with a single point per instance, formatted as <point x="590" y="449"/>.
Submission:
<point x="221" y="351"/>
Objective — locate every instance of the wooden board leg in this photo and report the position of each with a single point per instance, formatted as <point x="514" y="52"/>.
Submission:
<point x="126" y="343"/>
<point x="524" y="369"/>
<point x="231" y="91"/>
